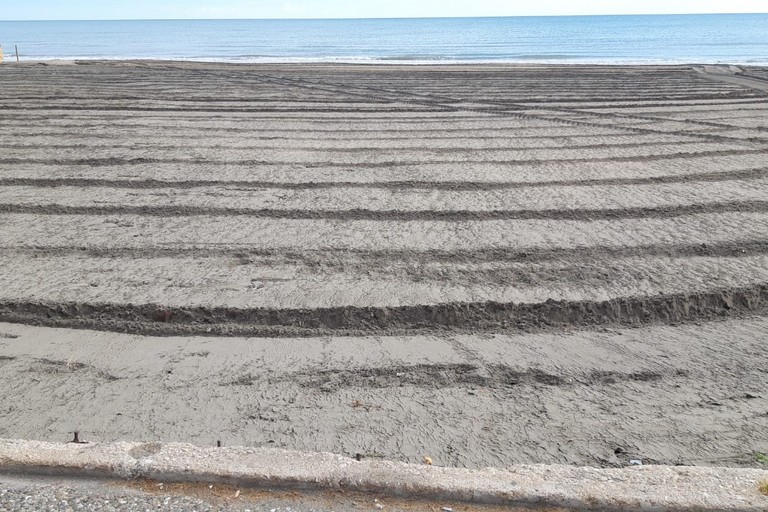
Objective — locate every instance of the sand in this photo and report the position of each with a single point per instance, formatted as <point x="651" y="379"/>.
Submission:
<point x="693" y="394"/>
<point x="484" y="264"/>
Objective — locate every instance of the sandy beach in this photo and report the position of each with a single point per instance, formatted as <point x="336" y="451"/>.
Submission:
<point x="483" y="264"/>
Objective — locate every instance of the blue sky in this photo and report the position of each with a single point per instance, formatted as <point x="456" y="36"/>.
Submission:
<point x="142" y="9"/>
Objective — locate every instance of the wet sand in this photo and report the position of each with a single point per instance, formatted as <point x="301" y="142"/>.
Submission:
<point x="484" y="264"/>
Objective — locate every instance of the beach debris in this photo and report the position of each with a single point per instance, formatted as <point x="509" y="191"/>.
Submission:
<point x="237" y="493"/>
<point x="447" y="509"/>
<point x="218" y="444"/>
<point x="636" y="462"/>
<point x="358" y="456"/>
<point x="76" y="439"/>
<point x="359" y="404"/>
<point x="427" y="460"/>
<point x="164" y="315"/>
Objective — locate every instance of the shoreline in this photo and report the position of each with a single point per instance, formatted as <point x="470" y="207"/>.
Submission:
<point x="589" y="40"/>
<point x="331" y="61"/>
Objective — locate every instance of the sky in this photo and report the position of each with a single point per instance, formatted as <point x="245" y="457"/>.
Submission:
<point x="184" y="9"/>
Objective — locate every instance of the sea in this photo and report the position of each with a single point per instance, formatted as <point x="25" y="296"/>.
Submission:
<point x="655" y="39"/>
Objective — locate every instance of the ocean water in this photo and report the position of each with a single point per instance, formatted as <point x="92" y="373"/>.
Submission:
<point x="724" y="38"/>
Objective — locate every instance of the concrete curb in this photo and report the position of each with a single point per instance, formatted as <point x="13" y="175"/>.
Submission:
<point x="636" y="488"/>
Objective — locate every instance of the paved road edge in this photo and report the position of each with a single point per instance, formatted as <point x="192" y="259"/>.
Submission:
<point x="634" y="488"/>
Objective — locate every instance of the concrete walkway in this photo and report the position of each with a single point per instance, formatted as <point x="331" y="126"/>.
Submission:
<point x="634" y="488"/>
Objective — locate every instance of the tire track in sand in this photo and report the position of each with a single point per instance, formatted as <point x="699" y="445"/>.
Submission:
<point x="394" y="215"/>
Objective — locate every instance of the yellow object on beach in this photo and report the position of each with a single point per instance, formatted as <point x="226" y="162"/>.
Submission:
<point x="1" y="54"/>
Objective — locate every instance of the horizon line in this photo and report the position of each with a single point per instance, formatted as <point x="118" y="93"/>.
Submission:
<point x="397" y="17"/>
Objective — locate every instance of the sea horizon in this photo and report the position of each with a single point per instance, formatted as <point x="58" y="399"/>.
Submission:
<point x="571" y="39"/>
<point x="406" y="17"/>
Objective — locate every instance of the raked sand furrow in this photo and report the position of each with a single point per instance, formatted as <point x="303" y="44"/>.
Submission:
<point x="400" y="262"/>
<point x="128" y="231"/>
<point x="716" y="116"/>
<point x="388" y="215"/>
<point x="374" y="130"/>
<point x="276" y="123"/>
<point x="174" y="187"/>
<point x="672" y="108"/>
<point x="371" y="158"/>
<point x="759" y="124"/>
<point x="111" y="131"/>
<point x="226" y="282"/>
<point x="617" y="200"/>
<point x="274" y="115"/>
<point x="152" y="141"/>
<point x="425" y="176"/>
<point x="454" y="147"/>
<point x="474" y="317"/>
<point x="148" y="105"/>
<point x="630" y="104"/>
